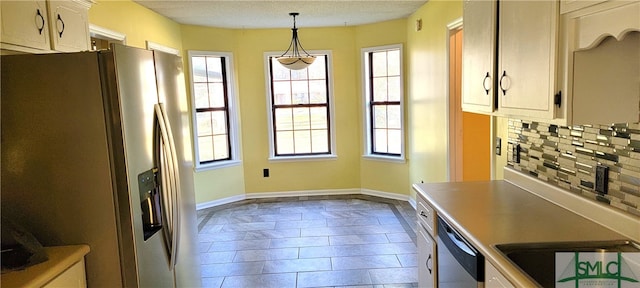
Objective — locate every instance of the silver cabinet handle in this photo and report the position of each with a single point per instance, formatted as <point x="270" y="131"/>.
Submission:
<point x="504" y="83"/>
<point x="39" y="25"/>
<point x="486" y="83"/>
<point x="61" y="30"/>
<point x="427" y="264"/>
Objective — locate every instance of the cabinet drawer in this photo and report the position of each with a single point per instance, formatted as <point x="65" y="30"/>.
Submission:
<point x="426" y="215"/>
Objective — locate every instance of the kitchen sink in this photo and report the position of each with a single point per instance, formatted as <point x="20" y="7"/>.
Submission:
<point x="537" y="260"/>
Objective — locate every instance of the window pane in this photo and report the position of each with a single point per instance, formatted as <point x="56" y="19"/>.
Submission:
<point x="318" y="117"/>
<point x="214" y="69"/>
<point x="210" y="93"/>
<point x="204" y="123"/>
<point x="299" y="74"/>
<point x="201" y="94"/>
<point x="301" y="119"/>
<point x="380" y="140"/>
<point x="199" y="69"/>
<point x="282" y="93"/>
<point x="318" y="90"/>
<point x="393" y="65"/>
<point x="300" y="92"/>
<point x="221" y="147"/>
<point x="219" y="120"/>
<point x="320" y="141"/>
<point x="205" y="149"/>
<point x="216" y="94"/>
<point x="379" y="64"/>
<point x="394" y="141"/>
<point x="393" y="117"/>
<point x="302" y="129"/>
<point x="380" y="89"/>
<point x="284" y="119"/>
<point x="380" y="116"/>
<point x="317" y="69"/>
<point x="393" y="88"/>
<point x="302" y="141"/>
<point x="284" y="142"/>
<point x="279" y="72"/>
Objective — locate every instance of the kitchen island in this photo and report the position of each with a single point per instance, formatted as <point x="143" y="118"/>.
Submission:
<point x="499" y="212"/>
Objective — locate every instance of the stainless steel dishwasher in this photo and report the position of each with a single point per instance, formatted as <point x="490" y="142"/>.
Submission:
<point x="460" y="265"/>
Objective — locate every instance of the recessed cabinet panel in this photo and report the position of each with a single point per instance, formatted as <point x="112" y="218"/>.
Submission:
<point x="609" y="72"/>
<point x="426" y="259"/>
<point x="25" y="23"/>
<point x="527" y="58"/>
<point x="70" y="27"/>
<point x="478" y="62"/>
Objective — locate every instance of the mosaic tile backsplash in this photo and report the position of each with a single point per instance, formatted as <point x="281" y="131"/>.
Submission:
<point x="567" y="157"/>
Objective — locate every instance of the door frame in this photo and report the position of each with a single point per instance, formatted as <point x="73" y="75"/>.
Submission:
<point x="452" y="27"/>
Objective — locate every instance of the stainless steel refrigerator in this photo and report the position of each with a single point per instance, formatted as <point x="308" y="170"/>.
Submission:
<point x="96" y="149"/>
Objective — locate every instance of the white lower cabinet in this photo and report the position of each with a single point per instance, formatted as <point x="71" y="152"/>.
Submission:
<point x="74" y="277"/>
<point x="426" y="259"/>
<point x="493" y="278"/>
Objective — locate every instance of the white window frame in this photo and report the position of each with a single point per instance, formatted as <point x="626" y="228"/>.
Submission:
<point x="332" y="127"/>
<point x="367" y="135"/>
<point x="234" y="120"/>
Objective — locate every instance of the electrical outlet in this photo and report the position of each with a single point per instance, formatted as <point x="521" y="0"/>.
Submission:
<point x="265" y="172"/>
<point x="602" y="179"/>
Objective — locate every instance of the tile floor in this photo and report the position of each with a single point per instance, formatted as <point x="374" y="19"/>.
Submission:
<point x="315" y="241"/>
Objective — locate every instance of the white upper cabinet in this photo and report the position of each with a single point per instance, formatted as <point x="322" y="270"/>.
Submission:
<point x="478" y="61"/>
<point x="70" y="26"/>
<point x="527" y="41"/>
<point x="25" y="23"/>
<point x="600" y="53"/>
<point x="45" y="26"/>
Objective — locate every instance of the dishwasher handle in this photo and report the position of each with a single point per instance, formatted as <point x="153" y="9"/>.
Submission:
<point x="462" y="250"/>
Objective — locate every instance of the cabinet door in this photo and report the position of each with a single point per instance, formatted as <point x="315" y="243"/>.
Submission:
<point x="478" y="55"/>
<point x="527" y="58"/>
<point x="24" y="23"/>
<point x="426" y="259"/>
<point x="69" y="26"/>
<point x="493" y="278"/>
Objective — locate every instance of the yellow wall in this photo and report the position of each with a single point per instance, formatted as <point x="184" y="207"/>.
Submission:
<point x="340" y="173"/>
<point x="425" y="105"/>
<point x="225" y="182"/>
<point x="427" y="90"/>
<point x="380" y="175"/>
<point x="138" y="23"/>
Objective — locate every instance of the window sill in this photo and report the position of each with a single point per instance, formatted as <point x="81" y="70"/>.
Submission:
<point x="219" y="165"/>
<point x="302" y="158"/>
<point x="400" y="159"/>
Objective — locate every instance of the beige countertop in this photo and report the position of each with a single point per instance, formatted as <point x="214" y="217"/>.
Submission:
<point x="498" y="212"/>
<point x="60" y="259"/>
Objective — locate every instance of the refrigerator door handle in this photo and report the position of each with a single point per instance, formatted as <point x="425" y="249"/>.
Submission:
<point x="169" y="171"/>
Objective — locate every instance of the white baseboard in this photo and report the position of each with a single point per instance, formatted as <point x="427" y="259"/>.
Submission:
<point x="369" y="192"/>
<point x="219" y="202"/>
<point x="302" y="193"/>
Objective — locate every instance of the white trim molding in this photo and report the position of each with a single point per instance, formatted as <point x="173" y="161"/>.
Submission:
<point x="101" y="32"/>
<point x="162" y="48"/>
<point x="302" y="193"/>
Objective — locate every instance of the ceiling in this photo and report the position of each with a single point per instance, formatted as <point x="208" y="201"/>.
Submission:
<point x="275" y="14"/>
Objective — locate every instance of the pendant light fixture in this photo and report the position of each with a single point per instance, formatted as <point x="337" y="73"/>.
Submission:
<point x="295" y="61"/>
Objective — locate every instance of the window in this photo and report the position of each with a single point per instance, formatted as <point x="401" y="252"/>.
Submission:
<point x="215" y="141"/>
<point x="300" y="109"/>
<point x="383" y="89"/>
